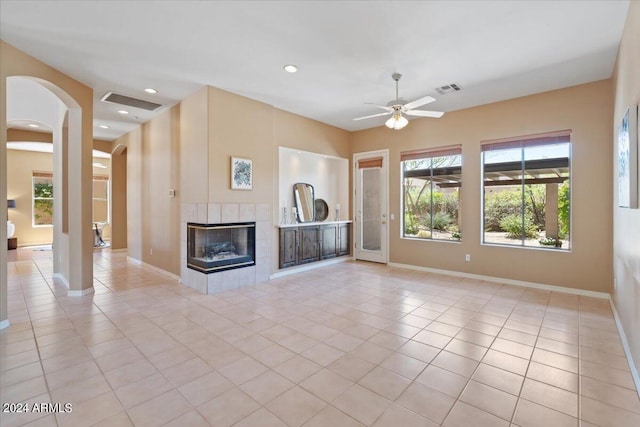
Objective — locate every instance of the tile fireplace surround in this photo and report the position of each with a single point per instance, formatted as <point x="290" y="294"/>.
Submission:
<point x="220" y="213"/>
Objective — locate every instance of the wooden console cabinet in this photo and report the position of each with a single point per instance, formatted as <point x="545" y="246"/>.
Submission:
<point x="306" y="243"/>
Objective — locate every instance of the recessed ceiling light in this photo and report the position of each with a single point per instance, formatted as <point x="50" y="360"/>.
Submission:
<point x="151" y="90"/>
<point x="104" y="126"/>
<point x="290" y="68"/>
<point x="123" y="112"/>
<point x="33" y="125"/>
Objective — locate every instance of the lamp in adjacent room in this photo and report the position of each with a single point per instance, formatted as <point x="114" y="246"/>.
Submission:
<point x="11" y="228"/>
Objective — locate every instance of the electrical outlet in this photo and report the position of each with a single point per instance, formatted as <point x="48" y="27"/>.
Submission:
<point x="172" y="193"/>
<point x="393" y="216"/>
<point x="151" y="251"/>
<point x="467" y="257"/>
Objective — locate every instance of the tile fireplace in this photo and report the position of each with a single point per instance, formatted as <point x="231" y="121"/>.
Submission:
<point x="212" y="248"/>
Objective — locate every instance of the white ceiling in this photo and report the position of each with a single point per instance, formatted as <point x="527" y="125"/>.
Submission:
<point x="345" y="51"/>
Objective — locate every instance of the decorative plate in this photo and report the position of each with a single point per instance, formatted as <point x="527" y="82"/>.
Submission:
<point x="322" y="210"/>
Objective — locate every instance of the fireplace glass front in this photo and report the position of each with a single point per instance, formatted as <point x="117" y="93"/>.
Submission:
<point x="218" y="247"/>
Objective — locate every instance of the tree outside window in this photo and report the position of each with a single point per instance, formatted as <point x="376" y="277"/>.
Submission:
<point x="431" y="181"/>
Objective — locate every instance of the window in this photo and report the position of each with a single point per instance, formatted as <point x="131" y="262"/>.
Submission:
<point x="431" y="181"/>
<point x="100" y="198"/>
<point x="527" y="191"/>
<point x="42" y="198"/>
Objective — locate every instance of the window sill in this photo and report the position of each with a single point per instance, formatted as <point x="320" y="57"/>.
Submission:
<point x="535" y="248"/>
<point x="419" y="239"/>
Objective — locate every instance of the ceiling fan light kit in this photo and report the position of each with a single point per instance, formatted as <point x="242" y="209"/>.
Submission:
<point x="397" y="121"/>
<point x="397" y="108"/>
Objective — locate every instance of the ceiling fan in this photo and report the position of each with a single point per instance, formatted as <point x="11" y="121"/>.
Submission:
<point x="398" y="107"/>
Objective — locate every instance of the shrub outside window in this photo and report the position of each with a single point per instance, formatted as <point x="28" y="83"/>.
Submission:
<point x="431" y="181"/>
<point x="42" y="212"/>
<point x="526" y="191"/>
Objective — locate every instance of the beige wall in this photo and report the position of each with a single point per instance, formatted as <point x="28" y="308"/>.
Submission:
<point x="119" y="200"/>
<point x="583" y="109"/>
<point x="160" y="173"/>
<point x="133" y="143"/>
<point x="28" y="135"/>
<point x="626" y="222"/>
<point x="239" y="127"/>
<point x="194" y="137"/>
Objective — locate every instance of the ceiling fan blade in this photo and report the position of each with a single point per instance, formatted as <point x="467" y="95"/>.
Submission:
<point x="419" y="102"/>
<point x="373" y="115"/>
<point x="384" y="107"/>
<point x="422" y="113"/>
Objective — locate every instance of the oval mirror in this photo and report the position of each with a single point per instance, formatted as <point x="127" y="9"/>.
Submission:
<point x="303" y="197"/>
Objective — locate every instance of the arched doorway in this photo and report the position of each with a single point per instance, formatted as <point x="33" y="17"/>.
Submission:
<point x="71" y="123"/>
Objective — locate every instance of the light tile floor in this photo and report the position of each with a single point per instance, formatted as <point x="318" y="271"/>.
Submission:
<point x="347" y="345"/>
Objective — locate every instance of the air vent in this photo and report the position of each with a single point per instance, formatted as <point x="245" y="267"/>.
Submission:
<point x="453" y="87"/>
<point x="116" y="98"/>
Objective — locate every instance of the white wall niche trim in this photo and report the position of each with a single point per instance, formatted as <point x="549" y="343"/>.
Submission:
<point x="4" y="324"/>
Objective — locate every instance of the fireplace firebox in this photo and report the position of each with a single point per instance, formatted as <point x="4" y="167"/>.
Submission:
<point x="217" y="247"/>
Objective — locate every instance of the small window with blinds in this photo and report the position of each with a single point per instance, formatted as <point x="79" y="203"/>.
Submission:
<point x="526" y="191"/>
<point x="431" y="181"/>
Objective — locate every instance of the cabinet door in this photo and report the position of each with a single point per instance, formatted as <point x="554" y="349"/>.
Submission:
<point x="288" y="247"/>
<point x="344" y="239"/>
<point x="309" y="239"/>
<point x="329" y="239"/>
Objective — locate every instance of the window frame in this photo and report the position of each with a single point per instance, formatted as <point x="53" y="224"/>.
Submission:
<point x="40" y="175"/>
<point x="429" y="154"/>
<point x="107" y="199"/>
<point x="524" y="142"/>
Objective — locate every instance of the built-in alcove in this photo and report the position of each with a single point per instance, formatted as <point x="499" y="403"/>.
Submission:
<point x="328" y="175"/>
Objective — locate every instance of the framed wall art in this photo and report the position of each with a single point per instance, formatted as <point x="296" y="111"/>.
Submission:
<point x="241" y="174"/>
<point x="628" y="159"/>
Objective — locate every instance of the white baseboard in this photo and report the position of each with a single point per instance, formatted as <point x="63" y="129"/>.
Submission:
<point x="627" y="349"/>
<point x="554" y="288"/>
<point x="154" y="268"/>
<point x="81" y="293"/>
<point x="4" y="324"/>
<point x="119" y="250"/>
<point x="61" y="278"/>
<point x="310" y="266"/>
<point x="73" y="292"/>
